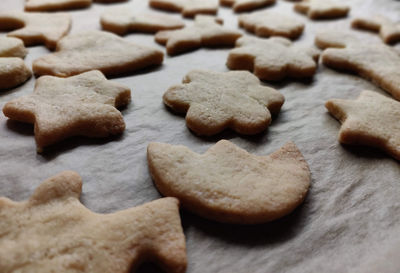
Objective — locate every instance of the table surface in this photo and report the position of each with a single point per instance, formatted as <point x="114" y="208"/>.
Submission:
<point x="350" y="213"/>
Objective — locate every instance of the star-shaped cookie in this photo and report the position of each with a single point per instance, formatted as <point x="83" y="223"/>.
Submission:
<point x="36" y="28"/>
<point x="124" y="20"/>
<point x="374" y="61"/>
<point x="206" y="31"/>
<point x="55" y="5"/>
<point x="53" y="232"/>
<point x="83" y="105"/>
<point x="273" y="59"/>
<point x="96" y="50"/>
<point x="228" y="184"/>
<point x="188" y="8"/>
<point x="215" y="101"/>
<point x="246" y="5"/>
<point x="267" y="23"/>
<point x="371" y="119"/>
<point x="388" y="30"/>
<point x="12" y="47"/>
<point x="322" y="9"/>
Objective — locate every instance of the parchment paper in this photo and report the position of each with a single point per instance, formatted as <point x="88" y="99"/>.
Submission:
<point x="351" y="213"/>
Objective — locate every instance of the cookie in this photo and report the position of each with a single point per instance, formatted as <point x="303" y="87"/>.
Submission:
<point x="124" y="20"/>
<point x="188" y="8"/>
<point x="36" y="28"/>
<point x="246" y="5"/>
<point x="55" y="5"/>
<point x="388" y="30"/>
<point x="96" y="50"/>
<point x="13" y="72"/>
<point x="322" y="9"/>
<point x="374" y="61"/>
<point x="371" y="120"/>
<point x="83" y="105"/>
<point x="215" y="101"/>
<point x="227" y="184"/>
<point x="206" y="31"/>
<point x="273" y="59"/>
<point x="53" y="232"/>
<point x="12" y="47"/>
<point x="267" y="23"/>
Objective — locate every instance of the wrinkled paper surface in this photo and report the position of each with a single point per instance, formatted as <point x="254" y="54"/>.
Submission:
<point x="352" y="210"/>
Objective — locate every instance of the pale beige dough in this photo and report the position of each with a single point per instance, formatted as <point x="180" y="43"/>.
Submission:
<point x="371" y="119"/>
<point x="55" y="5"/>
<point x="246" y="5"/>
<point x="215" y="101"/>
<point x="53" y="232"/>
<point x="374" y="61"/>
<point x="12" y="47"/>
<point x="83" y="105"/>
<point x="267" y="23"/>
<point x="206" y="31"/>
<point x="322" y="9"/>
<point x="124" y="20"/>
<point x="273" y="59"/>
<point x="188" y="8"/>
<point x="104" y="51"/>
<point x="13" y="72"/>
<point x="227" y="184"/>
<point x="36" y="28"/>
<point x="388" y="30"/>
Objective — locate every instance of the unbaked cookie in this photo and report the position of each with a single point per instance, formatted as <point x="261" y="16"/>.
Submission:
<point x="104" y="51"/>
<point x="371" y="119"/>
<point x="124" y="20"/>
<point x="188" y="8"/>
<point x="36" y="28"/>
<point x="53" y="232"/>
<point x="273" y="59"/>
<point x="388" y="30"/>
<point x="267" y="23"/>
<point x="374" y="61"/>
<point x="246" y="5"/>
<point x="215" y="101"/>
<point x="227" y="184"/>
<point x="322" y="9"/>
<point x="83" y="105"/>
<point x="206" y="31"/>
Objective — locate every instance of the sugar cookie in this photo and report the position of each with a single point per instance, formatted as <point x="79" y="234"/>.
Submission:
<point x="53" y="232"/>
<point x="215" y="101"/>
<point x="388" y="30"/>
<point x="188" y="8"/>
<point x="12" y="47"/>
<point x="13" y="72"/>
<point x="227" y="184"/>
<point x="371" y="119"/>
<point x="273" y="59"/>
<point x="83" y="105"/>
<point x="99" y="50"/>
<point x="206" y="31"/>
<point x="322" y="9"/>
<point x="54" y="5"/>
<point x="36" y="28"/>
<point x="246" y="5"/>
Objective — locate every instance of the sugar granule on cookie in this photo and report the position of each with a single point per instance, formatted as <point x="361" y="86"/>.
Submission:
<point x="96" y="50"/>
<point x="36" y="28"/>
<point x="246" y="5"/>
<point x="228" y="184"/>
<point x="371" y="120"/>
<point x="267" y="23"/>
<point x="214" y="101"/>
<point x="53" y="232"/>
<point x="322" y="9"/>
<point x="12" y="47"/>
<point x="83" y="105"/>
<point x="206" y="31"/>
<point x="273" y="59"/>
<point x="188" y="8"/>
<point x="124" y="20"/>
<point x="374" y="61"/>
<point x="56" y="5"/>
<point x="388" y="30"/>
<point x="13" y="72"/>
